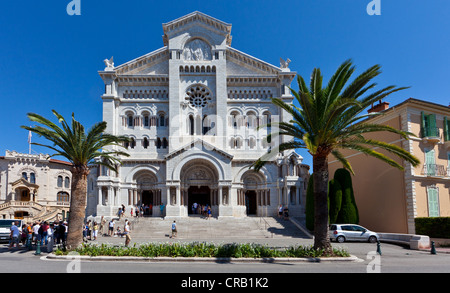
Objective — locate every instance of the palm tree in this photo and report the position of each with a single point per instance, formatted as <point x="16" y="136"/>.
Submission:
<point x="330" y="119"/>
<point x="83" y="151"/>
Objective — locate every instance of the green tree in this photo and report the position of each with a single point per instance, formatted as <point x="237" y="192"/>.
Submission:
<point x="348" y="212"/>
<point x="83" y="151"/>
<point x="326" y="122"/>
<point x="334" y="199"/>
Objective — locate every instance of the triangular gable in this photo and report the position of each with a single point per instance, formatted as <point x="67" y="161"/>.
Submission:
<point x="23" y="183"/>
<point x="197" y="143"/>
<point x="207" y="21"/>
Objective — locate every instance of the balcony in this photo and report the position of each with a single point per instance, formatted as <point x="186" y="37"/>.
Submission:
<point x="434" y="170"/>
<point x="431" y="134"/>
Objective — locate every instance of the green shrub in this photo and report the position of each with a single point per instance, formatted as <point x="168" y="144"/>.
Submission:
<point x="435" y="227"/>
<point x="196" y="249"/>
<point x="349" y="211"/>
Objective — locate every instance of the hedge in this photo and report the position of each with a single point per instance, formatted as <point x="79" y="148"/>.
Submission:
<point x="435" y="227"/>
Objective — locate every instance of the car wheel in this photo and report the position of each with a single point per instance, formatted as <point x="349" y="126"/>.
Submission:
<point x="372" y="239"/>
<point x="340" y="239"/>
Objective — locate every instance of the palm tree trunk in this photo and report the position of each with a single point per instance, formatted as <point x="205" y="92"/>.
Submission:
<point x="320" y="169"/>
<point x="77" y="207"/>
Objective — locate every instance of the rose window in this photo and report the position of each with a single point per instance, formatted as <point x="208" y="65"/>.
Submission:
<point x="198" y="96"/>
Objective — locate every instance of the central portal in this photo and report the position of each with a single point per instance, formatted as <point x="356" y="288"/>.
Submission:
<point x="199" y="196"/>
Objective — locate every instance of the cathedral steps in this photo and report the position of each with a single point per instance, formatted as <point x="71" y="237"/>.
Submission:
<point x="199" y="228"/>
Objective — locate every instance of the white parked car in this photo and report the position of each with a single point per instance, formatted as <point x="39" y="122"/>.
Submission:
<point x="351" y="232"/>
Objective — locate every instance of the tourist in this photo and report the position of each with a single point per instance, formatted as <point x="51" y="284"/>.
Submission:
<point x="209" y="212"/>
<point x="94" y="231"/>
<point x="126" y="231"/>
<point x="174" y="230"/>
<point x="50" y="240"/>
<point x="161" y="209"/>
<point x="15" y="233"/>
<point x="29" y="230"/>
<point x="137" y="211"/>
<point x="85" y="229"/>
<point x="102" y="226"/>
<point x="111" y="228"/>
<point x="286" y="213"/>
<point x="36" y="237"/>
<point x="280" y="211"/>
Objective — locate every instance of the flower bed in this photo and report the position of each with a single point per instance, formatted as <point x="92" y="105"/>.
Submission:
<point x="197" y="249"/>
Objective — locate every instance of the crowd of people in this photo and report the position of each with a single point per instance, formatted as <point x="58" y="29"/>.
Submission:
<point x="204" y="210"/>
<point x="38" y="233"/>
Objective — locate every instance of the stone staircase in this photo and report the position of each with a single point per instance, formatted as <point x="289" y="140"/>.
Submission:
<point x="198" y="228"/>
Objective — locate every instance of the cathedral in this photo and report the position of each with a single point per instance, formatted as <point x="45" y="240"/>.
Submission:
<point x="195" y="111"/>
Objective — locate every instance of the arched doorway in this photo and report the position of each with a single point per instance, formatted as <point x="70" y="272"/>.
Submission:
<point x="250" y="202"/>
<point x="198" y="196"/>
<point x="199" y="185"/>
<point x="147" y="201"/>
<point x="254" y="194"/>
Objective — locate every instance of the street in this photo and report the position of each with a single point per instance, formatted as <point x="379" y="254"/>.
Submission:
<point x="394" y="259"/>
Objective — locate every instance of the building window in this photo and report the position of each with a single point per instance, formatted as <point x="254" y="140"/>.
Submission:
<point x="162" y="120"/>
<point x="146" y="121"/>
<point x="433" y="201"/>
<point x="62" y="197"/>
<point x="430" y="163"/>
<point x="32" y="178"/>
<point x="145" y="144"/>
<point x="60" y="181"/>
<point x="66" y="182"/>
<point x="198" y="96"/>
<point x="130" y="121"/>
<point x="165" y="144"/>
<point x="429" y="128"/>
<point x="25" y="176"/>
<point x="158" y="143"/>
<point x="446" y="129"/>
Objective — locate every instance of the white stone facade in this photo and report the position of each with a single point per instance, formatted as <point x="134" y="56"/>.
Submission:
<point x="34" y="187"/>
<point x="192" y="109"/>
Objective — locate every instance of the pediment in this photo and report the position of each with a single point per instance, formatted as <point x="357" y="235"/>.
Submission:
<point x="23" y="183"/>
<point x="196" y="18"/>
<point x="201" y="145"/>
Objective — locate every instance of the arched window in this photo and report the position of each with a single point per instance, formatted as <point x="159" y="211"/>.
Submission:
<point x="146" y="120"/>
<point x="165" y="144"/>
<point x="251" y="119"/>
<point x="132" y="143"/>
<point x="162" y="119"/>
<point x="32" y="178"/>
<point x="191" y="125"/>
<point x="25" y="176"/>
<point x="130" y="120"/>
<point x="252" y="143"/>
<point x="60" y="181"/>
<point x="62" y="196"/>
<point x="145" y="143"/>
<point x="158" y="143"/>
<point x="66" y="182"/>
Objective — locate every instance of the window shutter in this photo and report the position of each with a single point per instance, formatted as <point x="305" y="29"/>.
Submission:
<point x="424" y="125"/>
<point x="432" y="129"/>
<point x="433" y="202"/>
<point x="446" y="129"/>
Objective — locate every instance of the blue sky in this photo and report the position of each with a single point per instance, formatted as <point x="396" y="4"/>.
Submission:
<point x="49" y="60"/>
